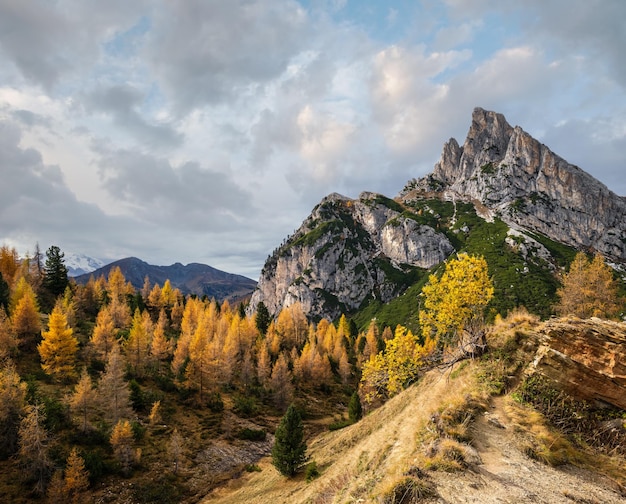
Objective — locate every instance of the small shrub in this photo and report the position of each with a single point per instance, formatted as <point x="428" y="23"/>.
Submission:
<point x="245" y="406"/>
<point x="311" y="472"/>
<point x="215" y="403"/>
<point x="408" y="489"/>
<point x="339" y="425"/>
<point x="252" y="434"/>
<point x="252" y="468"/>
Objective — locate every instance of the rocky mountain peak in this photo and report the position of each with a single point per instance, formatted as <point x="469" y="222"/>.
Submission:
<point x="529" y="186"/>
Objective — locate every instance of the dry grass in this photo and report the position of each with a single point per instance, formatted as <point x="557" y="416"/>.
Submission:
<point x="369" y="460"/>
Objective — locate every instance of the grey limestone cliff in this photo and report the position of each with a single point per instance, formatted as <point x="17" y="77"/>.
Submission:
<point x="346" y="251"/>
<point x="513" y="174"/>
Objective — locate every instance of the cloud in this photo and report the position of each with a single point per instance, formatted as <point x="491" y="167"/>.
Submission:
<point x="205" y="53"/>
<point x="187" y="196"/>
<point x="37" y="206"/>
<point x="47" y="41"/>
<point x="122" y="103"/>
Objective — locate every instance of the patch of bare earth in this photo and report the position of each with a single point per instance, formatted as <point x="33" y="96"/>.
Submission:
<point x="504" y="474"/>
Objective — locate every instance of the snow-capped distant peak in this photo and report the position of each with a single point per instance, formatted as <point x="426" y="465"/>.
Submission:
<point x="79" y="264"/>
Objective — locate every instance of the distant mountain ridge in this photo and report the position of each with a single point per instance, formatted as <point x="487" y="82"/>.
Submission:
<point x="193" y="278"/>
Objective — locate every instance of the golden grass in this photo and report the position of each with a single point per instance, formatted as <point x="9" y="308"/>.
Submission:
<point x="369" y="459"/>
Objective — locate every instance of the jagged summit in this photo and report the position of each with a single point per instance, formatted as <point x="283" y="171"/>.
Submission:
<point x="510" y="172"/>
<point x="501" y="191"/>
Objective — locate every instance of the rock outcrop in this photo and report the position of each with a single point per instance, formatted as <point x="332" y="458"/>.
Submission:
<point x="585" y="358"/>
<point x="513" y="174"/>
<point x="345" y="252"/>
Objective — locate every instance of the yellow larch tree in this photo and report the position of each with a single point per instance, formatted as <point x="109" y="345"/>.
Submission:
<point x="264" y="365"/>
<point x="454" y="304"/>
<point x="8" y="340"/>
<point x="12" y="404"/>
<point x="120" y="313"/>
<point x="117" y="286"/>
<point x="199" y="367"/>
<point x="137" y="346"/>
<point x="24" y="312"/>
<point x="104" y="336"/>
<point x="122" y="444"/>
<point x="76" y="478"/>
<point x="58" y="347"/>
<point x="9" y="263"/>
<point x="589" y="289"/>
<point x="189" y="323"/>
<point x="161" y="348"/>
<point x="400" y="364"/>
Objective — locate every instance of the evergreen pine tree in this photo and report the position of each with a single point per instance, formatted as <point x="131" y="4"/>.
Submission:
<point x="289" y="450"/>
<point x="4" y="293"/>
<point x="355" y="410"/>
<point x="263" y="317"/>
<point x="55" y="278"/>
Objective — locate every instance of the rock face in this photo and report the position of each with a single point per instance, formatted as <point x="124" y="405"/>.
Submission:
<point x="528" y="185"/>
<point x="585" y="358"/>
<point x="346" y="251"/>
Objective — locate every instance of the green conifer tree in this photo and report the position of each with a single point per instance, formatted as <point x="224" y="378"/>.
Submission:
<point x="355" y="410"/>
<point x="289" y="450"/>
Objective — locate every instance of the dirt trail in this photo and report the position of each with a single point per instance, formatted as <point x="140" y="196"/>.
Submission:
<point x="505" y="475"/>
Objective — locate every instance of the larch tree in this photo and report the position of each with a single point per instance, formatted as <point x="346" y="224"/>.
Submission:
<point x="176" y="450"/>
<point x="9" y="263"/>
<point x="122" y="444"/>
<point x="161" y="348"/>
<point x="104" y="336"/>
<point x="76" y="478"/>
<point x="281" y="383"/>
<point x="264" y="365"/>
<point x="137" y="346"/>
<point x="83" y="401"/>
<point x="188" y="325"/>
<point x="399" y="365"/>
<point x="589" y="289"/>
<point x="25" y="312"/>
<point x="454" y="304"/>
<point x="58" y="347"/>
<point x="289" y="449"/>
<point x="113" y="391"/>
<point x="33" y="447"/>
<point x="120" y="313"/>
<point x="12" y="404"/>
<point x="8" y="341"/>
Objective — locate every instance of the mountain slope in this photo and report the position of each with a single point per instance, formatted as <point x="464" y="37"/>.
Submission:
<point x="193" y="278"/>
<point x="451" y="438"/>
<point x="502" y="195"/>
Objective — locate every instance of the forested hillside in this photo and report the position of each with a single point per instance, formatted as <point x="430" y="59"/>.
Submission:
<point x="111" y="394"/>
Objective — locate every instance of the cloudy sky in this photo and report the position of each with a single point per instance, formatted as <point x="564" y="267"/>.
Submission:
<point x="206" y="130"/>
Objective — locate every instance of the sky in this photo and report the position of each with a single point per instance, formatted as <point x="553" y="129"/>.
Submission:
<point x="207" y="130"/>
